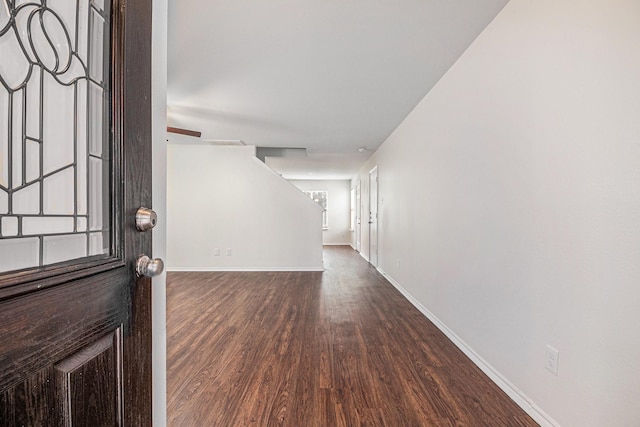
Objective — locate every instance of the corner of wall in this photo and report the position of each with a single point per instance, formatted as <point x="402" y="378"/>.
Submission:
<point x="249" y="211"/>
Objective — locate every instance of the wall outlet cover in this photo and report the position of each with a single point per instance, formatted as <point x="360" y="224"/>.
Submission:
<point x="551" y="359"/>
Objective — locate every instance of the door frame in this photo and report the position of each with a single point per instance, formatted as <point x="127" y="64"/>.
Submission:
<point x="358" y="217"/>
<point x="159" y="190"/>
<point x="373" y="216"/>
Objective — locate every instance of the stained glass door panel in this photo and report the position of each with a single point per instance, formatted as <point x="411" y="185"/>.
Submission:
<point x="55" y="145"/>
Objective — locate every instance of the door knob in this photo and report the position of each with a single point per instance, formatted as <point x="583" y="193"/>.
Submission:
<point x="146" y="219"/>
<point x="148" y="267"/>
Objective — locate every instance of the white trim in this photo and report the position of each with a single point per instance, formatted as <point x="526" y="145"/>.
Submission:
<point x="375" y="221"/>
<point x="266" y="269"/>
<point x="336" y="244"/>
<point x="511" y="390"/>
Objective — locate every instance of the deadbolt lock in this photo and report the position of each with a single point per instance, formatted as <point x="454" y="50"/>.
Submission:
<point x="146" y="219"/>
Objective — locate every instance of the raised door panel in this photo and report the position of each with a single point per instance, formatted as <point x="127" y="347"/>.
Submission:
<point x="88" y="384"/>
<point x="61" y="350"/>
<point x="83" y="389"/>
<point x="31" y="402"/>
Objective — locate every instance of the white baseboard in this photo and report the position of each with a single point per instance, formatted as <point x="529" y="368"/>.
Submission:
<point x="511" y="390"/>
<point x="266" y="269"/>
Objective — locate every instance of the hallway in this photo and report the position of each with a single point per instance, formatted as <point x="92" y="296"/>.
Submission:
<point x="336" y="348"/>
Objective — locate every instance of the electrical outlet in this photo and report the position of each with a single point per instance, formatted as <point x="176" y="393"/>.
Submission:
<point x="228" y="251"/>
<point x="216" y="251"/>
<point x="551" y="359"/>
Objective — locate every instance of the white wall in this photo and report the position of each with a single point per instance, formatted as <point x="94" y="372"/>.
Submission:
<point x="159" y="195"/>
<point x="510" y="205"/>
<point x="338" y="209"/>
<point x="224" y="197"/>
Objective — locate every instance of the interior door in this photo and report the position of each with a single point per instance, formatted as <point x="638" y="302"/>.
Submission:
<point x="358" y="218"/>
<point x="373" y="217"/>
<point x="75" y="150"/>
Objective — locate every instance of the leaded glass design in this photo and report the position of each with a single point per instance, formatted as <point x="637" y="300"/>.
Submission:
<point x="54" y="131"/>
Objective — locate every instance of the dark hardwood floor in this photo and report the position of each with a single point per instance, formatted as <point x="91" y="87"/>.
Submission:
<point x="337" y="348"/>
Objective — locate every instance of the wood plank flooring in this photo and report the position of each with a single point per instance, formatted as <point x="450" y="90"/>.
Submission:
<point x="336" y="348"/>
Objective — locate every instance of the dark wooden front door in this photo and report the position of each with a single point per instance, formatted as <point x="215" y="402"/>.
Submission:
<point x="75" y="321"/>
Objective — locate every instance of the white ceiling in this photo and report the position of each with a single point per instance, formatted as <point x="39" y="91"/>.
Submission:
<point x="327" y="75"/>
